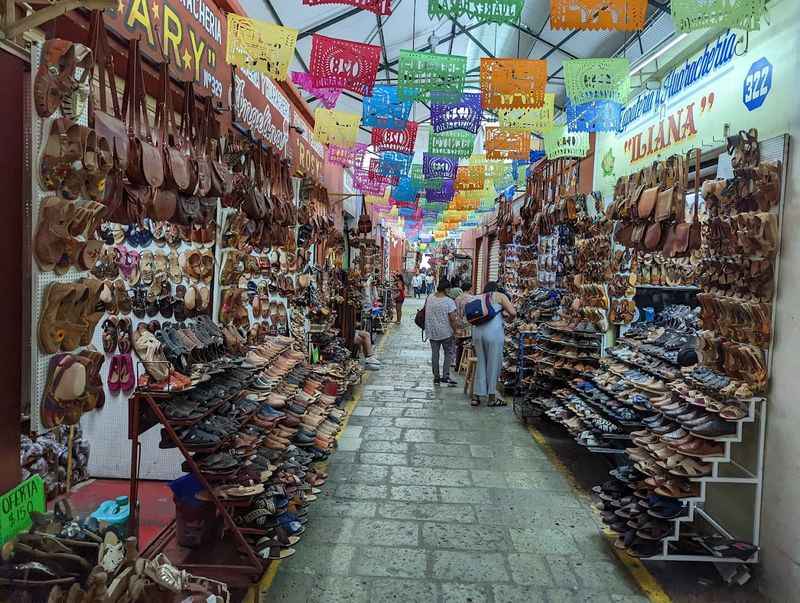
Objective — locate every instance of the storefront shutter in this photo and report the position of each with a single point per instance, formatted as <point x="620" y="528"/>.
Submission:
<point x="479" y="266"/>
<point x="494" y="258"/>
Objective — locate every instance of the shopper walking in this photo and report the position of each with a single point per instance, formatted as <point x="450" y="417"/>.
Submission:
<point x="485" y="314"/>
<point x="399" y="296"/>
<point x="429" y="283"/>
<point x="440" y="324"/>
<point x="416" y="283"/>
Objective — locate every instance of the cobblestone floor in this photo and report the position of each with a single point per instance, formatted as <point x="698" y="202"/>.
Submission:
<point x="432" y="500"/>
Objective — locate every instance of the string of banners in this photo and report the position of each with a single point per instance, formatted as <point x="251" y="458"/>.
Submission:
<point x="260" y="46"/>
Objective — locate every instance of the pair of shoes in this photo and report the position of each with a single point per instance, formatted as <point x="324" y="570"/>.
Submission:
<point x="449" y="382"/>
<point x="371" y="363"/>
<point x="437" y="381"/>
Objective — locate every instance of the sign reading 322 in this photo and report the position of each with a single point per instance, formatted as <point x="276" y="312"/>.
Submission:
<point x="757" y="84"/>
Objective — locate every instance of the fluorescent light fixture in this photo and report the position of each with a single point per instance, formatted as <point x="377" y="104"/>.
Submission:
<point x="657" y="54"/>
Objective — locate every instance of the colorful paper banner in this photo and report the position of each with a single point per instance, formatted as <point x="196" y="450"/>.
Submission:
<point x="596" y="116"/>
<point x="691" y="15"/>
<point x="327" y="96"/>
<point x="465" y="114"/>
<point x="502" y="143"/>
<point x="347" y="157"/>
<point x="534" y="120"/>
<point x="619" y="15"/>
<point x="421" y="73"/>
<point x="439" y="166"/>
<point x="512" y="83"/>
<point x="587" y="80"/>
<point x="443" y="195"/>
<point x="558" y="143"/>
<point x="401" y="141"/>
<point x="384" y="109"/>
<point x="343" y="64"/>
<point x="456" y="143"/>
<point x="363" y="182"/>
<point x="395" y="164"/>
<point x="470" y="177"/>
<point x="490" y="11"/>
<point x="336" y="127"/>
<point x="379" y="7"/>
<point x="260" y="46"/>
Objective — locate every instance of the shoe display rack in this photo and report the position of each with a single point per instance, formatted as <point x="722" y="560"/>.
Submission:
<point x="249" y="436"/>
<point x="691" y="490"/>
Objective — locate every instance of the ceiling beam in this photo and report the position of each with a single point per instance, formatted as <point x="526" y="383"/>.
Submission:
<point x="444" y="40"/>
<point x="328" y="23"/>
<point x="477" y="42"/>
<point x="279" y="21"/>
<point x="660" y="6"/>
<point x="383" y="46"/>
<point x="526" y="30"/>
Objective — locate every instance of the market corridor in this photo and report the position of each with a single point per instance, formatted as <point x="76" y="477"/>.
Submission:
<point x="432" y="500"/>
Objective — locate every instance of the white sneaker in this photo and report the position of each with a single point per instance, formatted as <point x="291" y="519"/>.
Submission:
<point x="372" y="360"/>
<point x="372" y="364"/>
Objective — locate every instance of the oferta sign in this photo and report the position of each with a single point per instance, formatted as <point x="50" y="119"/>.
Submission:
<point x="17" y="504"/>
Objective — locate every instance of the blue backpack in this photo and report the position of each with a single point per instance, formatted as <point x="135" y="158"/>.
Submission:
<point x="480" y="310"/>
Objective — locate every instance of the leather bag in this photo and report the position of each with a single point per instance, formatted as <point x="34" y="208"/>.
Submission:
<point x="164" y="205"/>
<point x="145" y="164"/>
<point x="364" y="221"/>
<point x="177" y="171"/>
<point x="107" y="125"/>
<point x="188" y="210"/>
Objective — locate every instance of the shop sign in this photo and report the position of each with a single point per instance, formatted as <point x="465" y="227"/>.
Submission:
<point x="693" y="72"/>
<point x="757" y="84"/>
<point x="714" y="92"/>
<point x="306" y="154"/>
<point x="262" y="108"/>
<point x="191" y="32"/>
<point x="676" y="127"/>
<point x="17" y="504"/>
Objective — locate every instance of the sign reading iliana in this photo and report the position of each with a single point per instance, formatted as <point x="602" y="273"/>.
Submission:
<point x="17" y="504"/>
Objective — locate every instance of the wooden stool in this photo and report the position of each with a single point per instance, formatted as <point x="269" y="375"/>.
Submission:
<point x="470" y="377"/>
<point x="467" y="354"/>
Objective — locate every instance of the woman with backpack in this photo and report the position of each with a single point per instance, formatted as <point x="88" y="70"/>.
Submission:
<point x="485" y="314"/>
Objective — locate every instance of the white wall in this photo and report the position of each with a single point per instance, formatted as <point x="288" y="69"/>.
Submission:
<point x="780" y="538"/>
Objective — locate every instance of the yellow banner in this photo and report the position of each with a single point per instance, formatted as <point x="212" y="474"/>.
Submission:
<point x="533" y="120"/>
<point x="336" y="127"/>
<point x="260" y="46"/>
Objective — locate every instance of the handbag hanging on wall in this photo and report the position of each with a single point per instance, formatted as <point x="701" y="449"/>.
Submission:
<point x="364" y="221"/>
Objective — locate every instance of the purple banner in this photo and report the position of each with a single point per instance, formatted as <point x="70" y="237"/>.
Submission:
<point x="464" y="115"/>
<point x="436" y="166"/>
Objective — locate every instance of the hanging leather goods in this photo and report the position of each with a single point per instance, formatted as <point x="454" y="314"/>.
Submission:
<point x="145" y="165"/>
<point x="364" y="221"/>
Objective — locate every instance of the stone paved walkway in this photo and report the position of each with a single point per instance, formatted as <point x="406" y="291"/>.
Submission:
<point x="432" y="500"/>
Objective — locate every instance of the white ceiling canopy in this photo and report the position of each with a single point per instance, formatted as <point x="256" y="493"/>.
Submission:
<point x="410" y="27"/>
